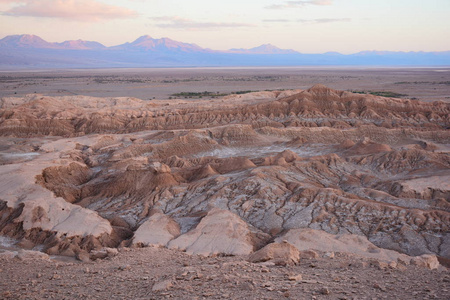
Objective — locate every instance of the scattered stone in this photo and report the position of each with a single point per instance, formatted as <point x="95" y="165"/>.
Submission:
<point x="55" y="276"/>
<point x="310" y="281"/>
<point x="392" y="265"/>
<point x="124" y="267"/>
<point x="162" y="285"/>
<point x="329" y="255"/>
<point x="378" y="287"/>
<point x="401" y="260"/>
<point x="359" y="264"/>
<point x="324" y="291"/>
<point x="381" y="265"/>
<point x="6" y="294"/>
<point x="297" y="277"/>
<point x="103" y="253"/>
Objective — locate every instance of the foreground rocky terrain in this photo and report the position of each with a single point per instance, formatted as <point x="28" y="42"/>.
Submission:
<point x="316" y="169"/>
<point x="158" y="273"/>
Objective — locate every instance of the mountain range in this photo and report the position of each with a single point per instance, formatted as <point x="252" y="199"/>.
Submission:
<point x="31" y="51"/>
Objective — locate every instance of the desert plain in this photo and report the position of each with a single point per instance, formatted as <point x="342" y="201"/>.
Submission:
<point x="259" y="183"/>
<point x="426" y="84"/>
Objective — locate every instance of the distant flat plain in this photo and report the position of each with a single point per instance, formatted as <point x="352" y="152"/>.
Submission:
<point x="426" y="84"/>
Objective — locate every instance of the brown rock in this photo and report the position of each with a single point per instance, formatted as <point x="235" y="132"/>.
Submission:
<point x="359" y="264"/>
<point x="324" y="291"/>
<point x="83" y="256"/>
<point x="297" y="277"/>
<point x="309" y="254"/>
<point x="426" y="261"/>
<point x="379" y="264"/>
<point x="31" y="255"/>
<point x="162" y="286"/>
<point x="279" y="253"/>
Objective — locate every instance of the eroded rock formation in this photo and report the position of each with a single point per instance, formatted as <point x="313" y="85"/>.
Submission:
<point x="226" y="176"/>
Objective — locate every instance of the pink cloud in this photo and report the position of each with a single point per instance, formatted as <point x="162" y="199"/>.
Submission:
<point x="178" y="22"/>
<point x="300" y="3"/>
<point x="79" y="10"/>
<point x="12" y="1"/>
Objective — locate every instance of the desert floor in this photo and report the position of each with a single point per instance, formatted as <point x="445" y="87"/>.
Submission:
<point x="157" y="273"/>
<point x="426" y="84"/>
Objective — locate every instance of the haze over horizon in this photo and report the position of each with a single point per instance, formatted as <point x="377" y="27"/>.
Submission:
<point x="309" y="26"/>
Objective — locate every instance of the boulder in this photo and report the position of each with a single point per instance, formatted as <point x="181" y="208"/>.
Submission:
<point x="158" y="230"/>
<point x="426" y="261"/>
<point x="308" y="239"/>
<point x="220" y="232"/>
<point x="31" y="255"/>
<point x="103" y="253"/>
<point x="280" y="253"/>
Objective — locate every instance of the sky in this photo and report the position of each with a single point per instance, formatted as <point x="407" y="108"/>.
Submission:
<point x="307" y="26"/>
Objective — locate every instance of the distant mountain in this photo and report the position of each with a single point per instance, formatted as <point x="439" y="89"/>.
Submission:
<point x="35" y="42"/>
<point x="263" y="49"/>
<point x="25" y="41"/>
<point x="31" y="51"/>
<point x="80" y="45"/>
<point x="147" y="43"/>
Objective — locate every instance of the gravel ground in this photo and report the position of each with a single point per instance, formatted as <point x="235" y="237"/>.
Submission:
<point x="155" y="273"/>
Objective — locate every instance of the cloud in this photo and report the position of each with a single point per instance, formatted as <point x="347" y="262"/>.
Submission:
<point x="277" y="20"/>
<point x="324" y="20"/>
<point x="178" y="22"/>
<point x="295" y="4"/>
<point x="308" y="21"/>
<point x="79" y="10"/>
<point x="12" y="1"/>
